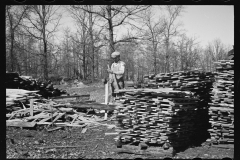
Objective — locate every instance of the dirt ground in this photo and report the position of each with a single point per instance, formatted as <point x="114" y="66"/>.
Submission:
<point x="93" y="144"/>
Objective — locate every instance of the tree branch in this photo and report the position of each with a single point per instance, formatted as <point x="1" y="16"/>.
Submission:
<point x="126" y="40"/>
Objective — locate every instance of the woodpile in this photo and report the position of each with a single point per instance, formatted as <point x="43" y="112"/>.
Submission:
<point x="17" y="98"/>
<point x="45" y="89"/>
<point x="199" y="83"/>
<point x="222" y="105"/>
<point x="196" y="81"/>
<point x="163" y="116"/>
<point x="28" y="109"/>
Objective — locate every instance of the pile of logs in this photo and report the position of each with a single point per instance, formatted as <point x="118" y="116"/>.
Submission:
<point x="163" y="116"/>
<point x="197" y="82"/>
<point x="222" y="106"/>
<point x="45" y="89"/>
<point x="28" y="109"/>
<point x="17" y="98"/>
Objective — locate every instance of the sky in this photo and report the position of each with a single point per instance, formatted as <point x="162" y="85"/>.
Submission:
<point x="210" y="22"/>
<point x="204" y="22"/>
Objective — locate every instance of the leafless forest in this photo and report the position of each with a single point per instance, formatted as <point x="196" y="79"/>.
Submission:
<point x="150" y="45"/>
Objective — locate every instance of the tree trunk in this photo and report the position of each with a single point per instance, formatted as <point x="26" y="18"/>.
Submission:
<point x="92" y="42"/>
<point x="111" y="42"/>
<point x="84" y="53"/>
<point x="45" y="68"/>
<point x="84" y="63"/>
<point x="155" y="58"/>
<point x="97" y="64"/>
<point x="25" y="57"/>
<point x="127" y="73"/>
<point x="12" y="57"/>
<point x="167" y="57"/>
<point x="181" y="60"/>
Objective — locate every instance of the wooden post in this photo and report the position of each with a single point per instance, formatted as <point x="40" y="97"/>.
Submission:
<point x="31" y="107"/>
<point x="106" y="99"/>
<point x="106" y="93"/>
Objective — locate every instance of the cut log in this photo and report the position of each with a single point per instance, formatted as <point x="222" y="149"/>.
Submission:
<point x="31" y="106"/>
<point x="55" y="119"/>
<point x="74" y="119"/>
<point x="51" y="116"/>
<point x="95" y="106"/>
<point x="40" y="115"/>
<point x="66" y="109"/>
<point x="20" y="124"/>
<point x="61" y="124"/>
<point x="54" y="129"/>
<point x="73" y="96"/>
<point x="231" y="146"/>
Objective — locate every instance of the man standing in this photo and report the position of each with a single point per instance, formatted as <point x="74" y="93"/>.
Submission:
<point x="116" y="72"/>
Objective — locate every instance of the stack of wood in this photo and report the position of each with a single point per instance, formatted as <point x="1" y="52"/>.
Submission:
<point x="161" y="116"/>
<point x="17" y="98"/>
<point x="197" y="82"/>
<point x="222" y="106"/>
<point x="46" y="89"/>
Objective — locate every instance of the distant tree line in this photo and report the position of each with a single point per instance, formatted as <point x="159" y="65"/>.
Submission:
<point x="152" y="45"/>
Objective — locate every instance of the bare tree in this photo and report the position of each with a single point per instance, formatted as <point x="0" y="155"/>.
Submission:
<point x="153" y="33"/>
<point x="66" y="49"/>
<point x="216" y="51"/>
<point x="14" y="16"/>
<point x="41" y="23"/>
<point x="92" y="38"/>
<point x="172" y="29"/>
<point x="114" y="16"/>
<point x="127" y="50"/>
<point x="188" y="51"/>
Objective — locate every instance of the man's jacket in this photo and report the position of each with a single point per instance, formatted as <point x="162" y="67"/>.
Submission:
<point x="118" y="69"/>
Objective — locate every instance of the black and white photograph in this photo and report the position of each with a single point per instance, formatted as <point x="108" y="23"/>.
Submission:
<point x="119" y="81"/>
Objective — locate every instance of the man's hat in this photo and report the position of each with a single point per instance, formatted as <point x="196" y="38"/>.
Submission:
<point x="115" y="54"/>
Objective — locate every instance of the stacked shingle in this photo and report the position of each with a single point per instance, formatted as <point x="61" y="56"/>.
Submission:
<point x="159" y="116"/>
<point x="198" y="83"/>
<point x="222" y="106"/>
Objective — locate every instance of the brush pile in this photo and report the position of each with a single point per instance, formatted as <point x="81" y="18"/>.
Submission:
<point x="222" y="106"/>
<point x="162" y="117"/>
<point x="45" y="89"/>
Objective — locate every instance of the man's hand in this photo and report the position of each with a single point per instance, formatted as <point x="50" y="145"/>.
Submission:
<point x="104" y="80"/>
<point x="109" y="71"/>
